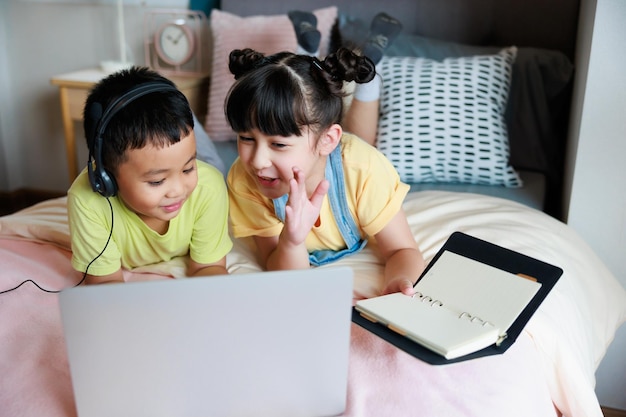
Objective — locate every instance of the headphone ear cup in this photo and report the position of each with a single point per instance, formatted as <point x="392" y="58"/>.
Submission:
<point x="101" y="180"/>
<point x="109" y="185"/>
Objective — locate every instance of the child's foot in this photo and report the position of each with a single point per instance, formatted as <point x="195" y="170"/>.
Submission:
<point x="305" y="26"/>
<point x="384" y="29"/>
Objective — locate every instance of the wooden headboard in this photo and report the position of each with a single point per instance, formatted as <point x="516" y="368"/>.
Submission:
<point x="534" y="23"/>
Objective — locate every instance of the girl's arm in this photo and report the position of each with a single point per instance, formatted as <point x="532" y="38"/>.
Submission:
<point x="404" y="261"/>
<point x="195" y="269"/>
<point x="277" y="253"/>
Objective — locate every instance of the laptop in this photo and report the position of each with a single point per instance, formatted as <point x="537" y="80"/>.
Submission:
<point x="258" y="344"/>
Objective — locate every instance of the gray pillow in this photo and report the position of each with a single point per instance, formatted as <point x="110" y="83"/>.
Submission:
<point x="205" y="147"/>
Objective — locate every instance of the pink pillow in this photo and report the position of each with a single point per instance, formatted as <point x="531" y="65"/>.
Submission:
<point x="267" y="34"/>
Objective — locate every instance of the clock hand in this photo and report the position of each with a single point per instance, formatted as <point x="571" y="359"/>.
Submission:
<point x="178" y="38"/>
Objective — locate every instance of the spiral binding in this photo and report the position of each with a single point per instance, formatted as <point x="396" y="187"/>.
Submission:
<point x="474" y="319"/>
<point x="428" y="299"/>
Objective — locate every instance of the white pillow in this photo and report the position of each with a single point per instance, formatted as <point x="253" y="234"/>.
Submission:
<point x="443" y="121"/>
<point x="268" y="34"/>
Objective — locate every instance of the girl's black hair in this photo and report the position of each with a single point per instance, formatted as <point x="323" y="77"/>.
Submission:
<point x="282" y="93"/>
<point x="161" y="118"/>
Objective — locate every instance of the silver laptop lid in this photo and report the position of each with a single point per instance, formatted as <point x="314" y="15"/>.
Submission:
<point x="260" y="344"/>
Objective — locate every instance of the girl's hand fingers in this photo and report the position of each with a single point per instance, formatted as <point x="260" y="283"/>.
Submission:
<point x="302" y="213"/>
<point x="319" y="193"/>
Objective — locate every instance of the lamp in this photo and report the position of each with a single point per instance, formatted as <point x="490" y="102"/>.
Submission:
<point x="123" y="63"/>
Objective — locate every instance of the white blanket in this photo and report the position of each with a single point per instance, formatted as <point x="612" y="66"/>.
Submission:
<point x="570" y="331"/>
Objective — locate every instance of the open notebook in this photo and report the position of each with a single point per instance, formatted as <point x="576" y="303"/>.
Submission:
<point x="240" y="345"/>
<point x="472" y="300"/>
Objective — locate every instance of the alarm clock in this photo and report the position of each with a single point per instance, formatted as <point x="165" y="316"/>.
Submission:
<point x="174" y="41"/>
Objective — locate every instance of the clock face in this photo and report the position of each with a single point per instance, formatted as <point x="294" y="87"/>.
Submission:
<point x="174" y="43"/>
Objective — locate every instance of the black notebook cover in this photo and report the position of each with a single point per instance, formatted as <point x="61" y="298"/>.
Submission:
<point x="495" y="256"/>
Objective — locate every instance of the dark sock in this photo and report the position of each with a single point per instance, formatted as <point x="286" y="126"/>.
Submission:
<point x="305" y="26"/>
<point x="384" y="29"/>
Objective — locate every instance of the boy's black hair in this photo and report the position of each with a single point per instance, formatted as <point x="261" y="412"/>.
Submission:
<point x="160" y="118"/>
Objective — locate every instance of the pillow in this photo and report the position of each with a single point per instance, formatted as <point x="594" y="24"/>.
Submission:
<point x="437" y="49"/>
<point x="538" y="95"/>
<point x="205" y="148"/>
<point x="268" y="34"/>
<point x="444" y="121"/>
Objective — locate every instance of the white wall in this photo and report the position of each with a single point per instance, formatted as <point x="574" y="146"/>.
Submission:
<point x="40" y="39"/>
<point x="596" y="207"/>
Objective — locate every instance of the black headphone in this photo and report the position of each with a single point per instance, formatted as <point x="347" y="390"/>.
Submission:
<point x="100" y="179"/>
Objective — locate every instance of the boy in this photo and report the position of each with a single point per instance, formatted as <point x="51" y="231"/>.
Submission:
<point x="144" y="198"/>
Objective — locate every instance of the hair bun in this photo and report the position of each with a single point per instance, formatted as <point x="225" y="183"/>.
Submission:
<point x="240" y="61"/>
<point x="345" y="65"/>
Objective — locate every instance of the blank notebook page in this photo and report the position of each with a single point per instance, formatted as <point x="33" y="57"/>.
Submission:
<point x="464" y="285"/>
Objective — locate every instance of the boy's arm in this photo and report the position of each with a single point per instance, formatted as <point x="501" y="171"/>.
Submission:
<point x="404" y="261"/>
<point x="208" y="220"/>
<point x="91" y="234"/>
<point x="195" y="269"/>
<point x="115" y="277"/>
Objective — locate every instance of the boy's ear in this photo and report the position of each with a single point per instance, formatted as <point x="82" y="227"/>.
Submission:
<point x="330" y="139"/>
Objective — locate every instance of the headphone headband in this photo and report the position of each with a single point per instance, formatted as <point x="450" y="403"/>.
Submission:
<point x="100" y="179"/>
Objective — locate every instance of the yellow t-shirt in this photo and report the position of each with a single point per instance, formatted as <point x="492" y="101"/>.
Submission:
<point x="200" y="230"/>
<point x="373" y="190"/>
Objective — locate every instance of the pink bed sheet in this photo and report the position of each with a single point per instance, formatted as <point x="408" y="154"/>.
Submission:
<point x="383" y="381"/>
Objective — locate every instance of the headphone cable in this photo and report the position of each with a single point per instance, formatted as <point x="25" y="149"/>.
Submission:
<point x="86" y="269"/>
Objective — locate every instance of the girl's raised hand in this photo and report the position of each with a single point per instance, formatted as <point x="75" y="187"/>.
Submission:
<point x="302" y="212"/>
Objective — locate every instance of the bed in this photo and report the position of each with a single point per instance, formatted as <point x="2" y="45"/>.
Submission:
<point x="548" y="371"/>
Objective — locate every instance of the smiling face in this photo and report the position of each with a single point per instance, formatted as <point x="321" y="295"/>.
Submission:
<point x="270" y="160"/>
<point x="155" y="182"/>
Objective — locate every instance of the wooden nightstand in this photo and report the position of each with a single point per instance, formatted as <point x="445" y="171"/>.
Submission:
<point x="73" y="90"/>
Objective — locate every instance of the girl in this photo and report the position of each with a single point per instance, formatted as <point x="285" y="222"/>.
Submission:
<point x="306" y="191"/>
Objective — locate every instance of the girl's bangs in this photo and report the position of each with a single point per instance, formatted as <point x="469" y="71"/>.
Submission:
<point x="267" y="104"/>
